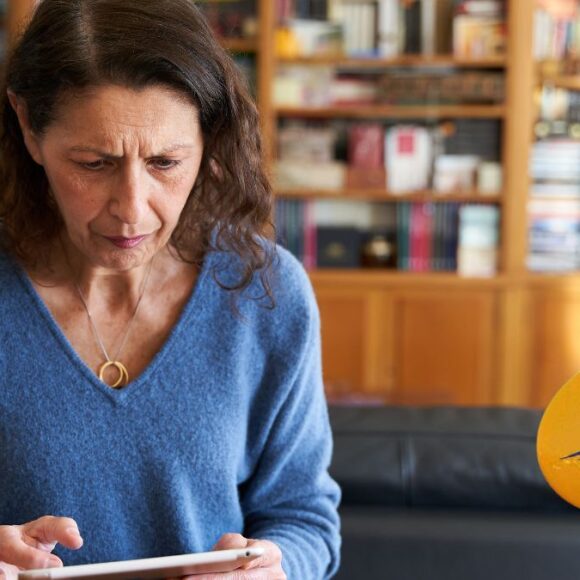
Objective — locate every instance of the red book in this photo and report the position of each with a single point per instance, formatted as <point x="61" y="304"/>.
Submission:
<point x="366" y="146"/>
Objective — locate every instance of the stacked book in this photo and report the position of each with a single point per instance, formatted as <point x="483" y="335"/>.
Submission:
<point x="554" y="235"/>
<point x="397" y="159"/>
<point x="555" y="168"/>
<point x="306" y="158"/>
<point x="304" y="86"/>
<point x="479" y="29"/>
<point x="441" y="86"/>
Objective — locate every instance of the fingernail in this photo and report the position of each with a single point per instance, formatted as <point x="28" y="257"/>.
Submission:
<point x="73" y="530"/>
<point x="52" y="562"/>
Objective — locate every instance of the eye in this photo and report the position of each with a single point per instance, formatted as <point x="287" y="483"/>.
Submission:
<point x="93" y="165"/>
<point x="164" y="164"/>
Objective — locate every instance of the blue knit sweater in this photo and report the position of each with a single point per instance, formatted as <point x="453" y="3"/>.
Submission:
<point x="225" y="431"/>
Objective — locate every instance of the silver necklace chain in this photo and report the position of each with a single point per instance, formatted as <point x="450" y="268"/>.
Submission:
<point x="133" y="316"/>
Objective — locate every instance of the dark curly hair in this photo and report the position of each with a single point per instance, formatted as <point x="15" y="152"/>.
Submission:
<point x="72" y="45"/>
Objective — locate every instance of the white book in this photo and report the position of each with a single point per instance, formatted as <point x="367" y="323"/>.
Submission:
<point x="348" y="22"/>
<point x="428" y="26"/>
<point x="389" y="28"/>
<point x="367" y="29"/>
<point x="408" y="158"/>
<point x="335" y="10"/>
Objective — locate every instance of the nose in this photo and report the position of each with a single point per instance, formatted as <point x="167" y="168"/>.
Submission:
<point x="129" y="196"/>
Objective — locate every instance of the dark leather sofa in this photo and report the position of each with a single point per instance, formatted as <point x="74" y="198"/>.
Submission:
<point x="445" y="493"/>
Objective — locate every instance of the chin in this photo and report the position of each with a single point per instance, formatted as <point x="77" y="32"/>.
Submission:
<point x="122" y="260"/>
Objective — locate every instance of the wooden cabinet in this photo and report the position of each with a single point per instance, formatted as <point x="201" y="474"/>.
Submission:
<point x="404" y="345"/>
<point x="356" y="330"/>
<point x="444" y="346"/>
<point x="554" y="328"/>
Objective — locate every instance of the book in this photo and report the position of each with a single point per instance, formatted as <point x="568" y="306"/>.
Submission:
<point x="479" y="29"/>
<point x="390" y="28"/>
<point x="436" y="19"/>
<point x="366" y="156"/>
<point x="412" y="25"/>
<point x="408" y="152"/>
<point x="477" y="252"/>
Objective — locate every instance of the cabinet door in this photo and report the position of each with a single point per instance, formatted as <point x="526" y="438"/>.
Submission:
<point x="356" y="325"/>
<point x="444" y="346"/>
<point x="555" y="333"/>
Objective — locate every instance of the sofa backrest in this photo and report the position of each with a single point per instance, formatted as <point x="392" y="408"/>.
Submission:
<point x="460" y="457"/>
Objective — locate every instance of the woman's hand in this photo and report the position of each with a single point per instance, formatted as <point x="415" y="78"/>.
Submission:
<point x="29" y="546"/>
<point x="267" y="567"/>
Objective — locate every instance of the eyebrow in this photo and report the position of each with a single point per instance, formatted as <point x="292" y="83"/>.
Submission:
<point x="101" y="153"/>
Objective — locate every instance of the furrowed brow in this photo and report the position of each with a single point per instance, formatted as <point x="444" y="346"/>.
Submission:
<point x="169" y="149"/>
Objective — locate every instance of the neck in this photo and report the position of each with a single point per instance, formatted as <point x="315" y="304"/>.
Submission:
<point x="103" y="288"/>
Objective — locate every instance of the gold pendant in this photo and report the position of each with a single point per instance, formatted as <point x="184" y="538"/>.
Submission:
<point x="123" y="378"/>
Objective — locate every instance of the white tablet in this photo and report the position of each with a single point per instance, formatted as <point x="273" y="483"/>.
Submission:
<point x="164" y="567"/>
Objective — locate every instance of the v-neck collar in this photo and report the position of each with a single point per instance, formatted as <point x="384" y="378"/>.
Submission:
<point x="119" y="396"/>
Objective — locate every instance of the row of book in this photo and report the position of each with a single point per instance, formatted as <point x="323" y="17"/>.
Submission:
<point x="556" y="30"/>
<point x="555" y="168"/>
<point x="554" y="235"/>
<point x="388" y="28"/>
<point x="415" y="237"/>
<point x="403" y="158"/>
<point x="323" y="86"/>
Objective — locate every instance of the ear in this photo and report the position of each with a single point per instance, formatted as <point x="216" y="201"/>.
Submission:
<point x="30" y="138"/>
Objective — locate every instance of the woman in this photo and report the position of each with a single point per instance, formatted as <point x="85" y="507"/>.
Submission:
<point x="161" y="383"/>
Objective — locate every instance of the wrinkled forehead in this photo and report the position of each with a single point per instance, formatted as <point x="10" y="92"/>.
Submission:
<point x="111" y="113"/>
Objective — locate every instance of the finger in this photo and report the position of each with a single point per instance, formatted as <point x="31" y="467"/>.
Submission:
<point x="49" y="530"/>
<point x="271" y="557"/>
<point x="230" y="542"/>
<point x="8" y="572"/>
<point x="20" y="554"/>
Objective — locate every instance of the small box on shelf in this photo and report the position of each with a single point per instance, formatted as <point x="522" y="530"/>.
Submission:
<point x="338" y="247"/>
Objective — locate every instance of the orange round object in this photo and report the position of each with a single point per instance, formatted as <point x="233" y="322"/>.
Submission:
<point x="558" y="442"/>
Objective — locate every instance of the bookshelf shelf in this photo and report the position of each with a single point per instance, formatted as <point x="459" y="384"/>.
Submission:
<point x="240" y="45"/>
<point x="437" y="61"/>
<point x="388" y="278"/>
<point x="569" y="82"/>
<point x="395" y="111"/>
<point x="382" y="195"/>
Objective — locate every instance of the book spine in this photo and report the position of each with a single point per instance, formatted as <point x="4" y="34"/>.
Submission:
<point x="389" y="28"/>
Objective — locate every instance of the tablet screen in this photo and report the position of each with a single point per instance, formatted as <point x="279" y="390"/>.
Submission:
<point x="164" y="567"/>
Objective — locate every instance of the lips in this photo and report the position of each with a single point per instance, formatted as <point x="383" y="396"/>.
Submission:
<point x="125" y="243"/>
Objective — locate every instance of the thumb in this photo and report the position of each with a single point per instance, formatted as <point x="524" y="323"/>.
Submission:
<point x="230" y="542"/>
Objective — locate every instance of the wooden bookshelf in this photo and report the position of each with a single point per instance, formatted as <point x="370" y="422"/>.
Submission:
<point x="395" y="112"/>
<point x="382" y="328"/>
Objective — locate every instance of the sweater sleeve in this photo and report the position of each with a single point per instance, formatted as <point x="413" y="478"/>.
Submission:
<point x="290" y="498"/>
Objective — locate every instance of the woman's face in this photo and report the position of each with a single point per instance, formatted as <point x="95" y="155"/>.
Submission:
<point x="121" y="164"/>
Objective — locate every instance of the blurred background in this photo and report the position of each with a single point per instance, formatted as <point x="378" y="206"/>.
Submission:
<point x="425" y="156"/>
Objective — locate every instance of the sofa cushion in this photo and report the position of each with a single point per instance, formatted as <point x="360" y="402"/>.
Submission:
<point x="440" y="456"/>
<point x="435" y="544"/>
